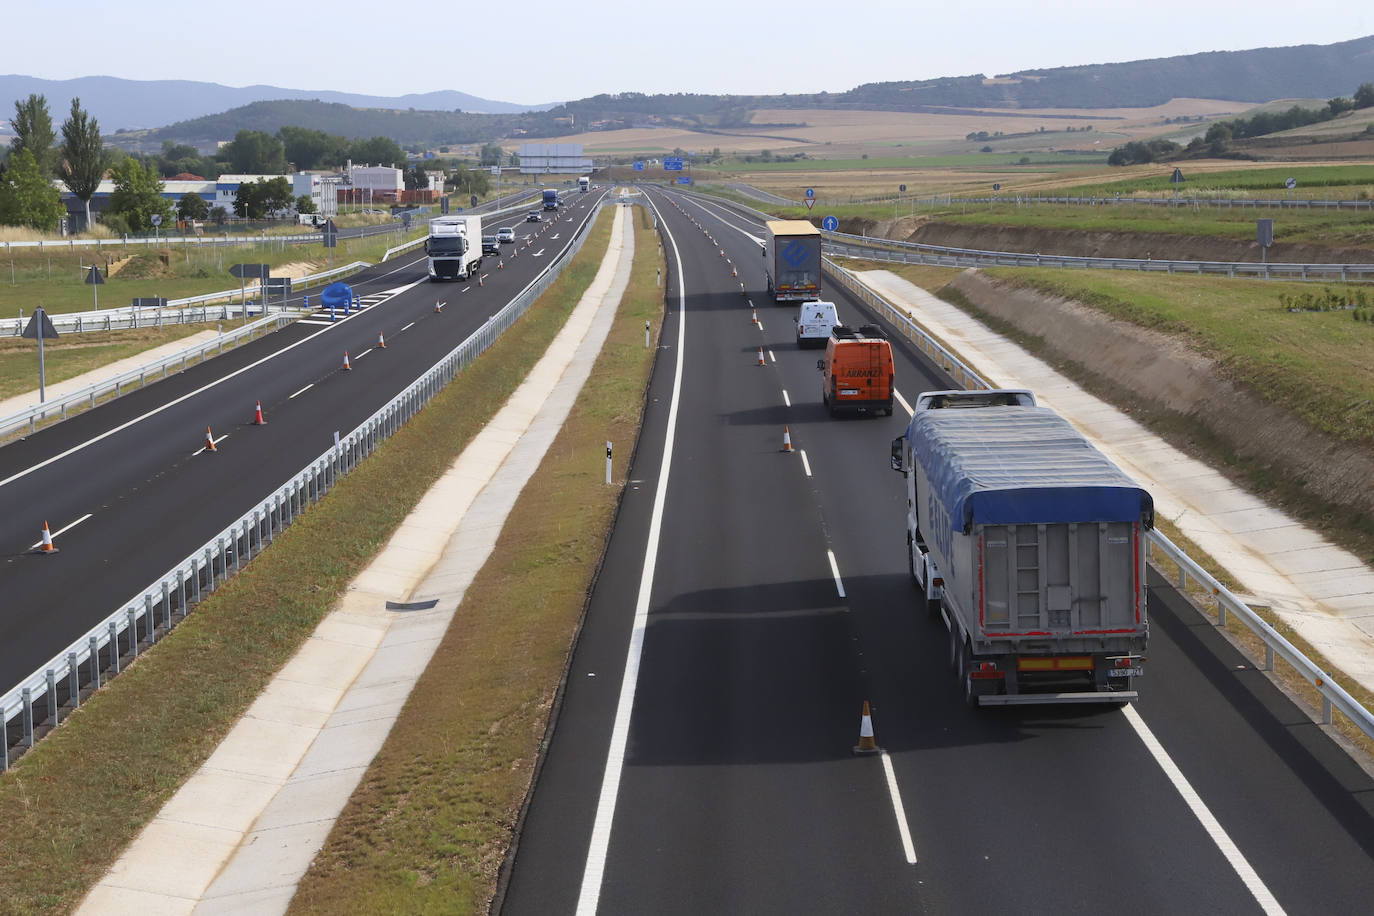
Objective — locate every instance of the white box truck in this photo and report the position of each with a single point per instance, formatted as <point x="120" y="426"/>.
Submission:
<point x="454" y="247"/>
<point x="1028" y="544"/>
<point x="584" y="184"/>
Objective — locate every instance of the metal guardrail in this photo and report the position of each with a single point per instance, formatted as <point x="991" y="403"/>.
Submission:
<point x="853" y="246"/>
<point x="115" y="642"/>
<point x="1333" y="695"/>
<point x="136" y="378"/>
<point x="1215" y="202"/>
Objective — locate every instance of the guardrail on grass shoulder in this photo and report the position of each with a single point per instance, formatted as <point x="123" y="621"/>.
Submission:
<point x="39" y="701"/>
<point x="1333" y="695"/>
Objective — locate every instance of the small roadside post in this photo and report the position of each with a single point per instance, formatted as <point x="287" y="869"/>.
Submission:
<point x="1265" y="237"/>
<point x="1177" y="179"/>
<point x="94" y="279"/>
<point x="40" y="327"/>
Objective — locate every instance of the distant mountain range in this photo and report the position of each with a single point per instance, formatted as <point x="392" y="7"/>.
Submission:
<point x="119" y="103"/>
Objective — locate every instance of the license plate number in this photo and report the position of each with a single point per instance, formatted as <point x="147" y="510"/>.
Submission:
<point x="850" y="391"/>
<point x="1126" y="672"/>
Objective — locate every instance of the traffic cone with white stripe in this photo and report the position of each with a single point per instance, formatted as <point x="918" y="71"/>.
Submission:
<point x="734" y="271"/>
<point x="786" y="439"/>
<point x="210" y="441"/>
<point x="756" y="316"/>
<point x="439" y="306"/>
<point x="257" y="415"/>
<point x="866" y="745"/>
<point x="481" y="279"/>
<point x="46" y="546"/>
<point x="761" y="362"/>
<point x="381" y="341"/>
<point x="347" y="364"/>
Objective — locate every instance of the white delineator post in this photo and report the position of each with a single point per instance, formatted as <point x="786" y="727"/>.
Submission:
<point x="608" y="464"/>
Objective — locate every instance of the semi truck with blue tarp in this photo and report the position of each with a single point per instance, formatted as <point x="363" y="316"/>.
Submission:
<point x="1029" y="545"/>
<point x="550" y="198"/>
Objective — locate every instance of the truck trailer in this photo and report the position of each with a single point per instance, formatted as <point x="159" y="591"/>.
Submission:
<point x="792" y="260"/>
<point x="454" y="247"/>
<point x="550" y="198"/>
<point x="1028" y="544"/>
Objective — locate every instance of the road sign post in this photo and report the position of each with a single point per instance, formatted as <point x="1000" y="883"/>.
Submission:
<point x="40" y="327"/>
<point x="1177" y="179"/>
<point x="1264" y="230"/>
<point x="94" y="280"/>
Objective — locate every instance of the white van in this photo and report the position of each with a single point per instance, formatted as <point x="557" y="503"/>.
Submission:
<point x="814" y="321"/>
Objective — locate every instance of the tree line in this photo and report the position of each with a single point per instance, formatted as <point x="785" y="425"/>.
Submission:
<point x="1217" y="141"/>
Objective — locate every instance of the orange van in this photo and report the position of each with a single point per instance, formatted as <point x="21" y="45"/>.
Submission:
<point x="857" y="370"/>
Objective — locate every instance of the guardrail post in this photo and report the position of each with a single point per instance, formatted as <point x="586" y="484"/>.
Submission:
<point x="181" y="591"/>
<point x="74" y="679"/>
<point x="114" y="647"/>
<point x="166" y="605"/>
<point x="27" y="700"/>
<point x="152" y="618"/>
<point x="93" y="646"/>
<point x="52" y="695"/>
<point x="133" y="632"/>
<point x="1326" y="709"/>
<point x="1221" y="609"/>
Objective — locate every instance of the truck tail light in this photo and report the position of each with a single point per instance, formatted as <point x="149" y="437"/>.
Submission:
<point x="987" y="671"/>
<point x="938" y="582"/>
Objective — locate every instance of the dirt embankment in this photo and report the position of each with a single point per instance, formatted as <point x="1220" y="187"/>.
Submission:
<point x="1151" y="373"/>
<point x="1084" y="244"/>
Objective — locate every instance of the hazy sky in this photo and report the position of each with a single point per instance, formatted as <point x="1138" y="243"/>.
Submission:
<point x="536" y="51"/>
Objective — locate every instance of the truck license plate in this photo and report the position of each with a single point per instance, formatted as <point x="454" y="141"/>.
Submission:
<point x="1126" y="672"/>
<point x="849" y="391"/>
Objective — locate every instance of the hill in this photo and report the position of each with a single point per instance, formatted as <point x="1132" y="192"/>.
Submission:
<point x="119" y="103"/>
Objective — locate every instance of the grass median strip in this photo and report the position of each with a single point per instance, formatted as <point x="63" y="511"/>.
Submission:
<point x="73" y="803"/>
<point x="429" y="825"/>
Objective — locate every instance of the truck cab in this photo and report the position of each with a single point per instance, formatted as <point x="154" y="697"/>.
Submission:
<point x="550" y="198"/>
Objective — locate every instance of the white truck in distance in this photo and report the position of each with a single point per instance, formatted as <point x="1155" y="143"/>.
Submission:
<point x="584" y="184"/>
<point x="1026" y="541"/>
<point x="454" y="247"/>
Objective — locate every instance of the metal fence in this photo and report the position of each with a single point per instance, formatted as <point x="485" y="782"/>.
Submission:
<point x="40" y="700"/>
<point x="868" y="249"/>
<point x="1158" y="545"/>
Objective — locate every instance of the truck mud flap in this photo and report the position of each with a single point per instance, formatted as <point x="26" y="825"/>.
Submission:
<point x="1032" y="699"/>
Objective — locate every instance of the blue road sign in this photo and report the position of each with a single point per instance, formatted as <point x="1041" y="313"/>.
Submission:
<point x="811" y="193"/>
<point x="672" y="164"/>
<point x="684" y="179"/>
<point x="639" y="166"/>
<point x="830" y="224"/>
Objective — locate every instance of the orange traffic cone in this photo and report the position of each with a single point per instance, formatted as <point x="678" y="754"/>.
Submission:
<point x="257" y="415"/>
<point x="381" y="341"/>
<point x="866" y="743"/>
<point x="734" y="271"/>
<point x="761" y="362"/>
<point x="347" y="364"/>
<point x="722" y="251"/>
<point x="481" y="278"/>
<point x="501" y="265"/>
<point x="439" y="306"/>
<point x="756" y="316"/>
<point x="46" y="546"/>
<point x="210" y="441"/>
<point x="786" y="439"/>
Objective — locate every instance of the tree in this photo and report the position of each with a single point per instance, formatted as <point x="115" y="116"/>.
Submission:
<point x="377" y="150"/>
<point x="305" y="204"/>
<point x="491" y="154"/>
<point x="312" y="149"/>
<point x="83" y="156"/>
<point x="27" y="197"/>
<point x="253" y="152"/>
<point x="138" y="195"/>
<point x="32" y="126"/>
<point x="192" y="206"/>
<point x="219" y="215"/>
<point x="257" y="199"/>
<point x="1364" y="96"/>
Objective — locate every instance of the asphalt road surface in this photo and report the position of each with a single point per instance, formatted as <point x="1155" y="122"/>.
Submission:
<point x="729" y="786"/>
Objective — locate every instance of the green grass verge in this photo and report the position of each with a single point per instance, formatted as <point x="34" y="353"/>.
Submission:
<point x="1352" y="179"/>
<point x="73" y="354"/>
<point x="71" y="805"/>
<point x="429" y="825"/>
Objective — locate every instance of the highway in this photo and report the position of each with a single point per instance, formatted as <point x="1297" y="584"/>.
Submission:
<point x="701" y="759"/>
<point x="127" y="488"/>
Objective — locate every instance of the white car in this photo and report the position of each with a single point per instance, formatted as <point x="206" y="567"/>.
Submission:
<point x="505" y="235"/>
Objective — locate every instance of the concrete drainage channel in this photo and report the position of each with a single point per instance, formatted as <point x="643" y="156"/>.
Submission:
<point x="37" y="704"/>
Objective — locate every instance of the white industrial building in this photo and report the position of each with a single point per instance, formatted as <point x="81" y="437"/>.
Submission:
<point x="553" y="159"/>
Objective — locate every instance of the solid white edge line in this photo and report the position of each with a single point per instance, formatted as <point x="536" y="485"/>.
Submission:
<point x="785" y="399"/>
<point x="303" y="390"/>
<point x="806" y="465"/>
<point x="595" y="868"/>
<point x="835" y="571"/>
<point x="899" y="810"/>
<point x="771" y="356"/>
<point x="910" y="411"/>
<point x="1247" y="874"/>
